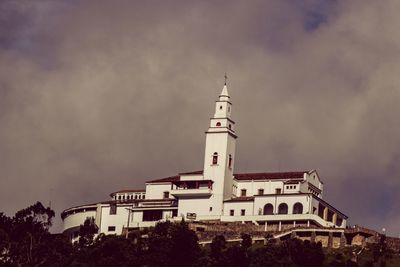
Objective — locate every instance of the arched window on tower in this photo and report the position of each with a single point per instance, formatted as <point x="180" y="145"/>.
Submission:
<point x="215" y="158"/>
<point x="218" y="124"/>
<point x="230" y="161"/>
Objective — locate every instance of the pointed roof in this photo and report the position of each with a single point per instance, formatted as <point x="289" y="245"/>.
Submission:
<point x="224" y="91"/>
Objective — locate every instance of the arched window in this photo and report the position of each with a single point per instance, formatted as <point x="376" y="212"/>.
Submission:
<point x="218" y="124"/>
<point x="283" y="208"/>
<point x="268" y="209"/>
<point x="298" y="208"/>
<point x="230" y="126"/>
<point x="215" y="158"/>
<point x="230" y="161"/>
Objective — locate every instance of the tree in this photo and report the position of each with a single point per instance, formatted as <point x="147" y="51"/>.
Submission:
<point x="5" y="230"/>
<point x="87" y="232"/>
<point x="185" y="248"/>
<point x="236" y="257"/>
<point x="217" y="251"/>
<point x="217" y="246"/>
<point x="105" y="251"/>
<point x="172" y="245"/>
<point x="25" y="239"/>
<point x="246" y="241"/>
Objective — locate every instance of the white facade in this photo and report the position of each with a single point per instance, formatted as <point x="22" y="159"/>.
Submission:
<point x="214" y="193"/>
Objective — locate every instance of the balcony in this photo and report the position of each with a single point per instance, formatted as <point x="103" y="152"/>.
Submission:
<point x="191" y="192"/>
<point x="192" y="188"/>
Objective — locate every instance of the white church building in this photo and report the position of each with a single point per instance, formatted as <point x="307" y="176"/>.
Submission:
<point x="216" y="193"/>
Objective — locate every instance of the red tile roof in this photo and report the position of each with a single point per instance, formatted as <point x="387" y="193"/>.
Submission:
<point x="270" y="175"/>
<point x="165" y="180"/>
<point x="242" y="176"/>
<point x="189" y="173"/>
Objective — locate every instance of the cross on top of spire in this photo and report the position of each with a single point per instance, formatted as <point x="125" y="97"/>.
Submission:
<point x="224" y="94"/>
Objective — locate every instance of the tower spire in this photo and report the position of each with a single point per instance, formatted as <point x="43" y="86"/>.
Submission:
<point x="224" y="94"/>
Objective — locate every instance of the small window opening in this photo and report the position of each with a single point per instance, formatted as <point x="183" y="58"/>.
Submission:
<point x="230" y="161"/>
<point x="242" y="212"/>
<point x="210" y="208"/>
<point x="261" y="191"/>
<point x="243" y="192"/>
<point x="166" y="194"/>
<point x="218" y="124"/>
<point x="215" y="158"/>
<point x="111" y="228"/>
<point x="232" y="212"/>
<point x="113" y="209"/>
<point x="220" y="107"/>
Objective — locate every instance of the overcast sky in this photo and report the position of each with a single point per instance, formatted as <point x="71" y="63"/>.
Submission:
<point x="97" y="96"/>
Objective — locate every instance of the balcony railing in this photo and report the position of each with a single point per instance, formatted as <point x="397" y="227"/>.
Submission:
<point x="188" y="192"/>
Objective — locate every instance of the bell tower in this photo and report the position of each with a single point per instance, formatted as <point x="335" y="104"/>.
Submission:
<point x="220" y="151"/>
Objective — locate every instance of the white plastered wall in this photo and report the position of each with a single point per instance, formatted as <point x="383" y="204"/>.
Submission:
<point x="248" y="206"/>
<point x="290" y="200"/>
<point x="253" y="186"/>
<point x="156" y="190"/>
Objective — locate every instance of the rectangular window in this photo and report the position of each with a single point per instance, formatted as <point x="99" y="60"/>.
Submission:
<point x="111" y="228"/>
<point x="261" y="191"/>
<point x="113" y="209"/>
<point x="232" y="212"/>
<point x="243" y="192"/>
<point x="166" y="194"/>
<point x="242" y="212"/>
<point x="210" y="209"/>
<point x="278" y="191"/>
<point x="152" y="215"/>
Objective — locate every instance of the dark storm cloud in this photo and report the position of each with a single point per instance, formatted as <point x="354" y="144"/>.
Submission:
<point x="97" y="96"/>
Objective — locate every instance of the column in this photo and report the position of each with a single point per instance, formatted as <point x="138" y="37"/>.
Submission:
<point x="325" y="214"/>
<point x="330" y="240"/>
